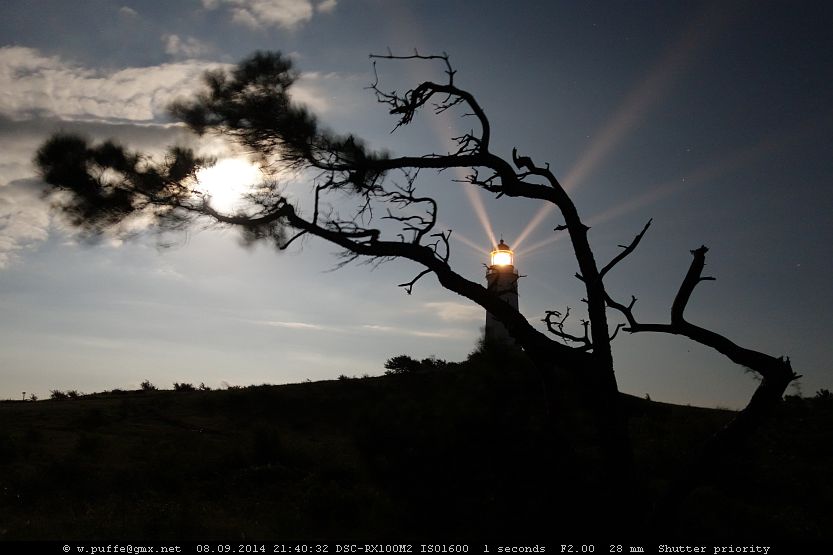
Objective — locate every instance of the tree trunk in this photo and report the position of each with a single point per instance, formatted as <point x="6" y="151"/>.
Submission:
<point x="591" y="445"/>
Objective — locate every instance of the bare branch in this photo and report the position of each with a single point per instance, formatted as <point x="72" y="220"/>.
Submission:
<point x="556" y="327"/>
<point x="442" y="237"/>
<point x="417" y="56"/>
<point x="690" y="281"/>
<point x="596" y="295"/>
<point x="626" y="250"/>
<point x="616" y="331"/>
<point x="409" y="286"/>
<point x="525" y="162"/>
<point x="292" y="240"/>
<point x="490" y="183"/>
<point x="407" y="104"/>
<point x="765" y="365"/>
<point x="427" y="256"/>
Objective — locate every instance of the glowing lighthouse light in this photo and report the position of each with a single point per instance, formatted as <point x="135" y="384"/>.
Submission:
<point x="502" y="255"/>
<point x="501" y="279"/>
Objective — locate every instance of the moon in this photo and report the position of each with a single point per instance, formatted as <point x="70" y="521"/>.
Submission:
<point x="227" y="181"/>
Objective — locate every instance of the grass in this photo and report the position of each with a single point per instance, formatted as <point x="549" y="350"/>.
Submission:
<point x="456" y="452"/>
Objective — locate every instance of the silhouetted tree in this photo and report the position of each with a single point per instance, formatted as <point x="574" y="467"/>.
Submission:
<point x="105" y="184"/>
<point x="401" y="364"/>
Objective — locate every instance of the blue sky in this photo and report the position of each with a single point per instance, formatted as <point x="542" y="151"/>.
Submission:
<point x="715" y="119"/>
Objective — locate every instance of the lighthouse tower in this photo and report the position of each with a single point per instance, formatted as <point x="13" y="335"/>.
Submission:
<point x="501" y="278"/>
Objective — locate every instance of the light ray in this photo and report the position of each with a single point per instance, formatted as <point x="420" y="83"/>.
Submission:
<point x="469" y="243"/>
<point x="736" y="160"/>
<point x="632" y="110"/>
<point x="545" y="210"/>
<point x="473" y="194"/>
<point x="443" y="128"/>
<point x="443" y="125"/>
<point x="525" y="253"/>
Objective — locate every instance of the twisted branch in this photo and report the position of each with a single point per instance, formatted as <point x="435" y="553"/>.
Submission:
<point x="776" y="374"/>
<point x="556" y="327"/>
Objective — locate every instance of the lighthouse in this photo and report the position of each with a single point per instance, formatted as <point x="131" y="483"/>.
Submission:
<point x="501" y="278"/>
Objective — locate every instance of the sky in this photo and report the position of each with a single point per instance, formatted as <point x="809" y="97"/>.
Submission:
<point x="713" y="118"/>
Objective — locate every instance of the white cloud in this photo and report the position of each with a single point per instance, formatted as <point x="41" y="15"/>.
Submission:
<point x="32" y="84"/>
<point x="326" y="6"/>
<point x="24" y="219"/>
<point x="35" y="85"/>
<point x="296" y="325"/>
<point x="187" y="47"/>
<point x="439" y="334"/>
<point x="244" y="17"/>
<point x="16" y="151"/>
<point x="455" y="312"/>
<point x="362" y="329"/>
<point x="127" y="11"/>
<point x="315" y="90"/>
<point x="257" y="14"/>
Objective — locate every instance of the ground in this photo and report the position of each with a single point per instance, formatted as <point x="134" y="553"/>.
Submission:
<point x="458" y="451"/>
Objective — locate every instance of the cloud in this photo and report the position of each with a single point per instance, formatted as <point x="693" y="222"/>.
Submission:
<point x="42" y="94"/>
<point x="24" y="218"/>
<point x="363" y="329"/>
<point x="297" y="325"/>
<point x="455" y="312"/>
<point x="127" y="11"/>
<point x="35" y="85"/>
<point x="315" y="90"/>
<point x="439" y="334"/>
<point x="326" y="6"/>
<point x="17" y="146"/>
<point x="20" y="139"/>
<point x="187" y="47"/>
<point x="257" y="14"/>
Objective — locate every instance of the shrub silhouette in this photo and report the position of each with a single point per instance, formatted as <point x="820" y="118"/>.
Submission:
<point x="433" y="363"/>
<point x="184" y="387"/>
<point x="57" y="395"/>
<point x="401" y="364"/>
<point x="147" y="386"/>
